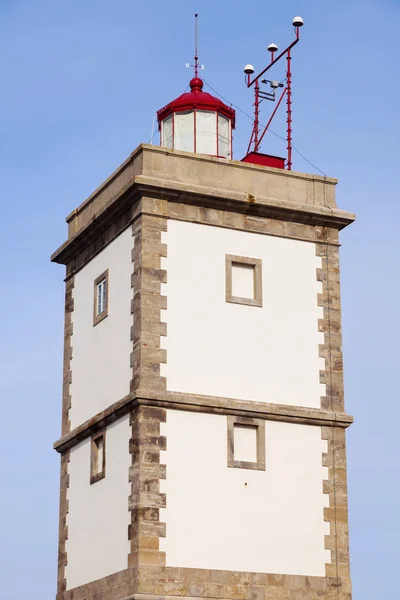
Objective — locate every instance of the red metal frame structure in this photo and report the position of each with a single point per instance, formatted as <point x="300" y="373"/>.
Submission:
<point x="259" y="96"/>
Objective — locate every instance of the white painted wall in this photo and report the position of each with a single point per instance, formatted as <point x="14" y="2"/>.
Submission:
<point x="100" y="363"/>
<point x="268" y="354"/>
<point x="98" y="515"/>
<point x="274" y="524"/>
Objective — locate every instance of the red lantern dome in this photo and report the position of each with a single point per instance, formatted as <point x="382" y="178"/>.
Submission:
<point x="197" y="122"/>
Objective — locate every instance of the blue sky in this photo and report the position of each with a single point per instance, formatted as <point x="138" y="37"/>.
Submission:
<point x="80" y="85"/>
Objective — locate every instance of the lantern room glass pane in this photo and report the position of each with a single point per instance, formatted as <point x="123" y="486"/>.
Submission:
<point x="206" y="132"/>
<point x="184" y="131"/>
<point x="166" y="132"/>
<point x="224" y="142"/>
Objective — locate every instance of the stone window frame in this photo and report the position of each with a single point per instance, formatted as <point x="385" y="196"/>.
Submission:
<point x="256" y="263"/>
<point x="259" y="424"/>
<point x="99" y="317"/>
<point x="97" y="474"/>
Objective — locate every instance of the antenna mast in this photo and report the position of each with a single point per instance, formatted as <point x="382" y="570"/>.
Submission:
<point x="260" y="95"/>
<point x="196" y="53"/>
<point x="196" y="65"/>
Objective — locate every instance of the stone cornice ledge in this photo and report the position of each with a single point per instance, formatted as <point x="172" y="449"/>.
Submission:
<point x="207" y="404"/>
<point x="242" y="202"/>
<point x="199" y="195"/>
<point x="167" y="597"/>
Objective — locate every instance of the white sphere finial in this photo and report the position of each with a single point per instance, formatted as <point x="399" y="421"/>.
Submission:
<point x="298" y="22"/>
<point x="249" y="69"/>
<point x="272" y="48"/>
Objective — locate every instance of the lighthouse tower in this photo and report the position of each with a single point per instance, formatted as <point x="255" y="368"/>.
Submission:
<point x="203" y="422"/>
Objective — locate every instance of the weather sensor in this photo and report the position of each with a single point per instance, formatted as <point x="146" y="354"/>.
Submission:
<point x="260" y="95"/>
<point x="249" y="69"/>
<point x="298" y="22"/>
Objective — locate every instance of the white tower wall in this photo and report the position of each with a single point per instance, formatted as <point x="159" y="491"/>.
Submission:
<point x="216" y="348"/>
<point x="100" y="364"/>
<point x="238" y="519"/>
<point x="98" y="517"/>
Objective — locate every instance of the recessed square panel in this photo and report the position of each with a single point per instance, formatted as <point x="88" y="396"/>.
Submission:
<point x="245" y="443"/>
<point x="243" y="280"/>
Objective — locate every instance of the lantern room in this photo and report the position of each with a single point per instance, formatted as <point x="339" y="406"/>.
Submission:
<point x="197" y="122"/>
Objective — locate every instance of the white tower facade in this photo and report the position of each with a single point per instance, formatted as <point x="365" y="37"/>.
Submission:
<point x="203" y="438"/>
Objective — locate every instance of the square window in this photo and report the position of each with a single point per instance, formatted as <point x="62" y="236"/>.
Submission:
<point x="243" y="280"/>
<point x="100" y="304"/>
<point x="98" y="457"/>
<point x="246" y="443"/>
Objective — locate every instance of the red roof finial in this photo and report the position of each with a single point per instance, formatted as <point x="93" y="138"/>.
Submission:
<point x="196" y="84"/>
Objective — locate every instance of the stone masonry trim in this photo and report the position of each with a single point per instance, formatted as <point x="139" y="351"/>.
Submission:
<point x="67" y="373"/>
<point x="65" y="429"/>
<point x="147" y="149"/>
<point x="147" y="303"/>
<point x="244" y="210"/>
<point x="63" y="526"/>
<point x="118" y="586"/>
<point x="331" y="326"/>
<point x="337" y="541"/>
<point x="146" y="500"/>
<point x="172" y="582"/>
<point x="259" y="424"/>
<point x="207" y="404"/>
<point x="243" y="221"/>
<point x="256" y="263"/>
<point x="151" y="170"/>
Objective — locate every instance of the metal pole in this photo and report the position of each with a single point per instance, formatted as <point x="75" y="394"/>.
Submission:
<point x="289" y="112"/>
<point x="256" y="115"/>
<point x="196" y="55"/>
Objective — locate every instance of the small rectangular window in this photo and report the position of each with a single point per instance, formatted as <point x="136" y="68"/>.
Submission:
<point x="101" y="296"/>
<point x="184" y="130"/>
<point x="243" y="280"/>
<point x="206" y="131"/>
<point x="100" y="307"/>
<point x="246" y="443"/>
<point x="98" y="457"/>
<point x="224" y="146"/>
<point x="167" y="130"/>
